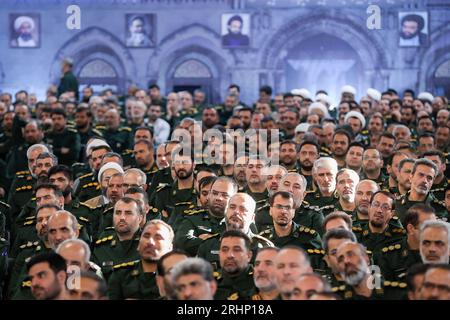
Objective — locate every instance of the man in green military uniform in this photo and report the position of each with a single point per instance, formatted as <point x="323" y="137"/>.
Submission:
<point x="65" y="141"/>
<point x="235" y="280"/>
<point x="200" y="224"/>
<point x="395" y="260"/>
<point x="379" y="232"/>
<point x="69" y="82"/>
<point x="137" y="279"/>
<point x="372" y="167"/>
<point x="122" y="246"/>
<point x="18" y="287"/>
<point x="239" y="215"/>
<point x="119" y="138"/>
<point x="4" y="216"/>
<point x="346" y="182"/>
<point x="440" y="183"/>
<point x="323" y="195"/>
<point x="360" y="284"/>
<point x="83" y="122"/>
<point x="144" y="158"/>
<point x="288" y="156"/>
<point x="285" y="231"/>
<point x="308" y="153"/>
<point x="363" y="193"/>
<point x="87" y="187"/>
<point x="256" y="180"/>
<point x="422" y="176"/>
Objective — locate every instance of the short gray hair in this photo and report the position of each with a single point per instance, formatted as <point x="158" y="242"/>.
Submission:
<point x="73" y="219"/>
<point x="295" y="174"/>
<point x="139" y="172"/>
<point x="436" y="224"/>
<point x="84" y="245"/>
<point x="325" y="162"/>
<point x="189" y="266"/>
<point x="37" y="146"/>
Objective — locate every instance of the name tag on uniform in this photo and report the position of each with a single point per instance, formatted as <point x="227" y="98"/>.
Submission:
<point x="215" y="252"/>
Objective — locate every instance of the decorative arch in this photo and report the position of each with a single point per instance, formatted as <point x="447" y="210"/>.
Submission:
<point x="433" y="57"/>
<point x="345" y="26"/>
<point x="196" y="42"/>
<point x="96" y="43"/>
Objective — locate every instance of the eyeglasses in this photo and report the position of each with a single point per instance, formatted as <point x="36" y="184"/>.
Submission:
<point x="384" y="206"/>
<point x="281" y="207"/>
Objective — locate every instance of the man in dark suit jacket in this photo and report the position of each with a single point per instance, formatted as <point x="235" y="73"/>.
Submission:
<point x="69" y="82"/>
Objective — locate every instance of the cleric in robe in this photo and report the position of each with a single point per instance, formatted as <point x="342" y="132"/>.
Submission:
<point x="235" y="36"/>
<point x="24" y="32"/>
<point x="413" y="30"/>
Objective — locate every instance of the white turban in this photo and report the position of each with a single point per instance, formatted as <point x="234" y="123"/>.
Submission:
<point x="318" y="106"/>
<point x="348" y="89"/>
<point x="95" y="143"/>
<point x="374" y="94"/>
<point x="322" y="97"/>
<point x="302" y="127"/>
<point x="355" y="114"/>
<point x="109" y="165"/>
<point x="20" y="20"/>
<point x="426" y="96"/>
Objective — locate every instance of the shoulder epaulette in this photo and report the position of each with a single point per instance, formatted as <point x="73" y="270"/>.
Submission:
<point x="233" y="296"/>
<point x="86" y="175"/>
<point x="20" y="173"/>
<point x="339" y="288"/>
<point x="127" y="151"/>
<point x="5" y="204"/>
<point x="212" y="235"/>
<point x="125" y="129"/>
<point x="263" y="207"/>
<point x="83" y="219"/>
<point x="125" y="264"/>
<point x="217" y="275"/>
<point x="316" y="251"/>
<point x="356" y="229"/>
<point x="395" y="284"/>
<point x="26" y="284"/>
<point x="162" y="186"/>
<point x="399" y="230"/>
<point x="29" y="244"/>
<point x="183" y="203"/>
<point x="29" y="222"/>
<point x="71" y="130"/>
<point x="192" y="212"/>
<point x="24" y="188"/>
<point x="265" y="232"/>
<point x="100" y="127"/>
<point x="103" y="240"/>
<point x="97" y="132"/>
<point x="90" y="184"/>
<point x="87" y="205"/>
<point x="306" y="230"/>
<point x="391" y="248"/>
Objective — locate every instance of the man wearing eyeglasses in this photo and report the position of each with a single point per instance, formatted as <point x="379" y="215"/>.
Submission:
<point x="379" y="232"/>
<point x="285" y="231"/>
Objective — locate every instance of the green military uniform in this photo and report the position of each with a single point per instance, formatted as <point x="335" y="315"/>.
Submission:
<point x="240" y="287"/>
<point x="21" y="192"/>
<point x="128" y="159"/>
<point x="376" y="241"/>
<point x="259" y="197"/>
<point x="388" y="291"/>
<point x="3" y="263"/>
<point x="381" y="180"/>
<point x="402" y="204"/>
<point x="150" y="174"/>
<point x="80" y="169"/>
<point x="105" y="218"/>
<point x="161" y="177"/>
<point x="396" y="259"/>
<point x="4" y="217"/>
<point x="119" y="140"/>
<point x="68" y="83"/>
<point x="310" y="217"/>
<point x="195" y="223"/>
<point x="325" y="204"/>
<point x="263" y="219"/>
<point x="363" y="137"/>
<point x="110" y="251"/>
<point x="68" y="138"/>
<point x="300" y="236"/>
<point x="438" y="190"/>
<point x="324" y="151"/>
<point x="19" y="286"/>
<point x="87" y="187"/>
<point x="129" y="281"/>
<point x="85" y="136"/>
<point x="190" y="113"/>
<point x="209" y="249"/>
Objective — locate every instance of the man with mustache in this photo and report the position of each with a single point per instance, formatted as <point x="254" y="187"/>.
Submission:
<point x="18" y="287"/>
<point x="340" y="145"/>
<point x="434" y="242"/>
<point x="323" y="195"/>
<point x="422" y="176"/>
<point x="164" y="268"/>
<point x="285" y="231"/>
<point x="360" y="284"/>
<point x="331" y="241"/>
<point x="393" y="170"/>
<point x="194" y="280"/>
<point x="235" y="281"/>
<point x="346" y="180"/>
<point x="380" y="232"/>
<point x="264" y="275"/>
<point x="440" y="183"/>
<point x="113" y="193"/>
<point x="256" y="176"/>
<point x="275" y="174"/>
<point x="144" y="157"/>
<point x="240" y="165"/>
<point x="290" y="263"/>
<point x="288" y="155"/>
<point x="363" y="193"/>
<point x="395" y="260"/>
<point x="198" y="225"/>
<point x="308" y="153"/>
<point x="354" y="157"/>
<point x="122" y="246"/>
<point x="137" y="279"/>
<point x="307" y="285"/>
<point x="403" y="178"/>
<point x="47" y="273"/>
<point x="436" y="283"/>
<point x="239" y="215"/>
<point x="62" y="226"/>
<point x="372" y="165"/>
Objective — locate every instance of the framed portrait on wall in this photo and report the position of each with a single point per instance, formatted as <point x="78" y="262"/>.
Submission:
<point x="140" y="30"/>
<point x="413" y="28"/>
<point x="24" y="30"/>
<point x="235" y="30"/>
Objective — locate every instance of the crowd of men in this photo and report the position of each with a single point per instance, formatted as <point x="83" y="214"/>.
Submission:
<point x="100" y="200"/>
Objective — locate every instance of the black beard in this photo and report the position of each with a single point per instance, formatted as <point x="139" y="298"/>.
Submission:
<point x="66" y="191"/>
<point x="410" y="36"/>
<point x="375" y="224"/>
<point x="306" y="168"/>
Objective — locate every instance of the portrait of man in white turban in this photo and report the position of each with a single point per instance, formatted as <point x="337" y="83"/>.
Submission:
<point x="24" y="30"/>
